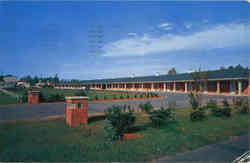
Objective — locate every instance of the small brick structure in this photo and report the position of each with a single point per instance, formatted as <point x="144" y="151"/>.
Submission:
<point x="33" y="97"/>
<point x="76" y="110"/>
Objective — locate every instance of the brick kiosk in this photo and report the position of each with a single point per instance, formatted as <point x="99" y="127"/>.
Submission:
<point x="76" y="110"/>
<point x="33" y="97"/>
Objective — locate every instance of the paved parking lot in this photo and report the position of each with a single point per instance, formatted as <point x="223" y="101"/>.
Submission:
<point x="18" y="112"/>
<point x="225" y="151"/>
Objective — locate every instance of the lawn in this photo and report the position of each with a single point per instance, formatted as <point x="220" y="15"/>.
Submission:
<point x="53" y="140"/>
<point x="6" y="99"/>
<point x="92" y="94"/>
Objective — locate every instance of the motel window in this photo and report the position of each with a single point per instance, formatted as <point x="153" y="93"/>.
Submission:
<point x="178" y="85"/>
<point x="244" y="85"/>
<point x="212" y="85"/>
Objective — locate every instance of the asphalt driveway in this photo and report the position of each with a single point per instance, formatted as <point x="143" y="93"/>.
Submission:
<point x="24" y="111"/>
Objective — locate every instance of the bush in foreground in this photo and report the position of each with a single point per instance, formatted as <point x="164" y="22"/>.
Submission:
<point x="198" y="112"/>
<point x="224" y="111"/>
<point x="117" y="122"/>
<point x="55" y="98"/>
<point x="197" y="115"/>
<point x="241" y="104"/>
<point x="161" y="117"/>
<point x="147" y="107"/>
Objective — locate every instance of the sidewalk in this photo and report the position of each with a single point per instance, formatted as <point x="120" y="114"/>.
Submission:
<point x="226" y="151"/>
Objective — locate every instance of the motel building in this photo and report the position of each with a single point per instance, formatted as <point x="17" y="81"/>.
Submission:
<point x="216" y="82"/>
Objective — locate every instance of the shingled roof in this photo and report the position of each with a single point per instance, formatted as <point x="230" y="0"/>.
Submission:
<point x="211" y="75"/>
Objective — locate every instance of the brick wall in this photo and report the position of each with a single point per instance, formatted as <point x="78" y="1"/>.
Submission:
<point x="76" y="112"/>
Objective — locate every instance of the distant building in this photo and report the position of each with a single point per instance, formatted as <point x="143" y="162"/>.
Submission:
<point x="8" y="82"/>
<point x="10" y="79"/>
<point x="215" y="82"/>
<point x="23" y="84"/>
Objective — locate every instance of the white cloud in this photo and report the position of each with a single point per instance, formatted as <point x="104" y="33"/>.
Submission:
<point x="132" y="34"/>
<point x="220" y="36"/>
<point x="188" y="26"/>
<point x="205" y="21"/>
<point x="165" y="26"/>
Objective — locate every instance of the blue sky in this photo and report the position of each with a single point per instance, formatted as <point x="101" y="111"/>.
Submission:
<point x="93" y="40"/>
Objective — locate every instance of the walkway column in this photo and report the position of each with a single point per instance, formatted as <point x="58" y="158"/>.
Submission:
<point x="152" y="87"/>
<point x="133" y="86"/>
<point x="218" y="87"/>
<point x="240" y="87"/>
<point x="186" y="87"/>
<point x="174" y="87"/>
<point x="168" y="87"/>
<point x="164" y="87"/>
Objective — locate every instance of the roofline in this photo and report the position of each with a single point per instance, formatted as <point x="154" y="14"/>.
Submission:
<point x="161" y="81"/>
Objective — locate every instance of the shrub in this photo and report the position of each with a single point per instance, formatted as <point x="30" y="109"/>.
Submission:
<point x="81" y="93"/>
<point x="96" y="97"/>
<point x="147" y="107"/>
<point x="42" y="98"/>
<point x="127" y="96"/>
<point x="24" y="97"/>
<point x="241" y="104"/>
<point x="197" y="115"/>
<point x="51" y="98"/>
<point x="105" y="97"/>
<point x="55" y="97"/>
<point x="117" y="123"/>
<point x="238" y="101"/>
<point x="198" y="112"/>
<point x="161" y="117"/>
<point x="142" y="95"/>
<point x="194" y="101"/>
<point x="212" y="104"/>
<point x="245" y="108"/>
<point x="225" y="103"/>
<point x="121" y="97"/>
<point x="224" y="111"/>
<point x="136" y="96"/>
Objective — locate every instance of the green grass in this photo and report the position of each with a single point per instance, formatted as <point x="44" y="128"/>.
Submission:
<point x="7" y="99"/>
<point x="109" y="95"/>
<point x="54" y="141"/>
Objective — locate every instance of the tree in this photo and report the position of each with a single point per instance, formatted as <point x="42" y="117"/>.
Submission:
<point x="222" y="68"/>
<point x="1" y="77"/>
<point x="56" y="79"/>
<point x="172" y="71"/>
<point x="200" y="80"/>
<point x="239" y="67"/>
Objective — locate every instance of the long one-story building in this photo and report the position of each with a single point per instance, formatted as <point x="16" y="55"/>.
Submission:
<point x="212" y="82"/>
